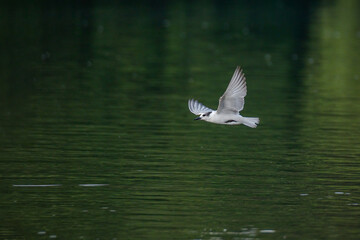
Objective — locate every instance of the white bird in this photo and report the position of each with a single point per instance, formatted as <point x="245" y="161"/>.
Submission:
<point x="230" y="104"/>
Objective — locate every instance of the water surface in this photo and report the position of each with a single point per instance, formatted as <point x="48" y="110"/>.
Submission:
<point x="96" y="141"/>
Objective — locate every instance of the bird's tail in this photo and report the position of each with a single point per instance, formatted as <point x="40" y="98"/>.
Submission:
<point x="251" y="121"/>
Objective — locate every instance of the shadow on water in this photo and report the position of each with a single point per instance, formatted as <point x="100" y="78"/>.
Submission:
<point x="96" y="140"/>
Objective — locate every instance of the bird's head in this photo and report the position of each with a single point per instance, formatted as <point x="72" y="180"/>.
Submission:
<point x="203" y="116"/>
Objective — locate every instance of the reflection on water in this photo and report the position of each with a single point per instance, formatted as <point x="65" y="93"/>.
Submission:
<point x="41" y="185"/>
<point x="245" y="233"/>
<point x="96" y="141"/>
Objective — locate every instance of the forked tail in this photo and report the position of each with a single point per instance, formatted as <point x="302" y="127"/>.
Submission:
<point x="251" y="121"/>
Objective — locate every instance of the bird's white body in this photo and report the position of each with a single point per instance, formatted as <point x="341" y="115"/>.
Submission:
<point x="230" y="119"/>
<point x="230" y="104"/>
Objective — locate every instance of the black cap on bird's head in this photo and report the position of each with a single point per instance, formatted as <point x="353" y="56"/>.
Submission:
<point x="203" y="115"/>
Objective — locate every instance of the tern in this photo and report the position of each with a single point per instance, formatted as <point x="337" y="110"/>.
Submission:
<point x="230" y="105"/>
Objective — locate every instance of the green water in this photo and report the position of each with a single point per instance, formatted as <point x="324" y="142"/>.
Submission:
<point x="97" y="142"/>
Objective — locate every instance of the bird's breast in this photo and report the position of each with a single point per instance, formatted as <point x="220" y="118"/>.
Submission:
<point x="228" y="119"/>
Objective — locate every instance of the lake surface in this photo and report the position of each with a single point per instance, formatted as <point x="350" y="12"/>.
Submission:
<point x="97" y="142"/>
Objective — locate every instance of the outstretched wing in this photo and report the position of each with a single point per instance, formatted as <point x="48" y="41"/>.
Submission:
<point x="232" y="101"/>
<point x="197" y="108"/>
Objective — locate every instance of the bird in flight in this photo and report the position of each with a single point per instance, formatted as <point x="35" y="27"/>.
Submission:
<point x="230" y="104"/>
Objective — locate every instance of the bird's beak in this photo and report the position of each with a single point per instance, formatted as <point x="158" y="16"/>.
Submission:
<point x="198" y="118"/>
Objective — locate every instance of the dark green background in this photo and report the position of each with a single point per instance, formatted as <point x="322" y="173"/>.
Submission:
<point x="95" y="92"/>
